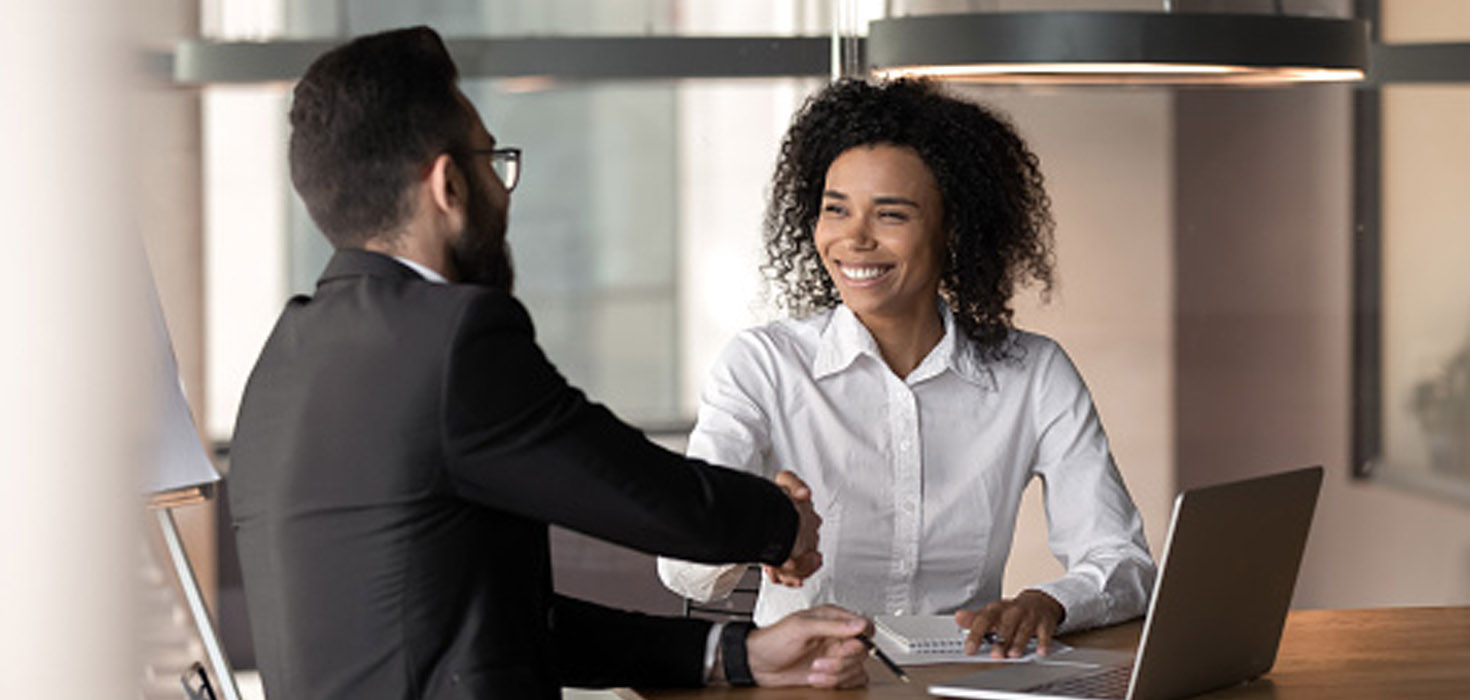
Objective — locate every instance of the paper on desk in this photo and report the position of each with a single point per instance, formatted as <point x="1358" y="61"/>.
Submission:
<point x="904" y="658"/>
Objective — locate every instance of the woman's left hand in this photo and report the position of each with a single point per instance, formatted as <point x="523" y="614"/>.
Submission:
<point x="1013" y="622"/>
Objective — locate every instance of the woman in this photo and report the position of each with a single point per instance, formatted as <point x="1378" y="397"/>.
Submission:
<point x="901" y="222"/>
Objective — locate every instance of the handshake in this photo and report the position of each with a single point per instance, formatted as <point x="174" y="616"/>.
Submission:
<point x="818" y="646"/>
<point x="804" y="559"/>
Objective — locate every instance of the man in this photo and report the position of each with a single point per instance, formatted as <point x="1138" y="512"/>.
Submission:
<point x="403" y="443"/>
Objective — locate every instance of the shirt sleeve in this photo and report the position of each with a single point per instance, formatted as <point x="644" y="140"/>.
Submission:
<point x="518" y="438"/>
<point x="1094" y="529"/>
<point x="732" y="430"/>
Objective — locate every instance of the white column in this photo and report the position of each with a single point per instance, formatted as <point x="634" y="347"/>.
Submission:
<point x="71" y="421"/>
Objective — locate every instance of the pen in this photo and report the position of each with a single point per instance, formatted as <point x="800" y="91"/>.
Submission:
<point x="877" y="653"/>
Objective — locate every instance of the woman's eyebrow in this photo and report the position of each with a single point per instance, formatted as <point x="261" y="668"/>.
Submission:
<point x="882" y="199"/>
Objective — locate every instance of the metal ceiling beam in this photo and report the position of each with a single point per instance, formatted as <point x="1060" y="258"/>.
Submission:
<point x="1419" y="63"/>
<point x="562" y="58"/>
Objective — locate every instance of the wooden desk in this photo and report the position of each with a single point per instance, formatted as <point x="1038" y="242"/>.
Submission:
<point x="1399" y="653"/>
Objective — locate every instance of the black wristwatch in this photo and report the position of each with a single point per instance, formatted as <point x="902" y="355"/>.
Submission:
<point x="732" y="653"/>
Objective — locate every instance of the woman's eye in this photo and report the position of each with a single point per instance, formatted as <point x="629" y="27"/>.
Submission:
<point x="894" y="216"/>
<point x="832" y="208"/>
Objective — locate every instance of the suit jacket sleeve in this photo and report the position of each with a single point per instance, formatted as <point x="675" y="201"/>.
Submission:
<point x="599" y="647"/>
<point x="520" y="439"/>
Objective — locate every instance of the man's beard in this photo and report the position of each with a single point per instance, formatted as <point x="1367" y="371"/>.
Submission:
<point x="481" y="255"/>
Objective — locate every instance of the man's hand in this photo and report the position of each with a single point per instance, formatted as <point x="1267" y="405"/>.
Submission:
<point x="816" y="647"/>
<point x="1014" y="621"/>
<point x="804" y="559"/>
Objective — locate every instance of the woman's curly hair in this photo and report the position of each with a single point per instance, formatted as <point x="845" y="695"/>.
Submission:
<point x="996" y="209"/>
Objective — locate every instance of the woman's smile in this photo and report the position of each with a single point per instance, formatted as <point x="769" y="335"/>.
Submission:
<point x="863" y="275"/>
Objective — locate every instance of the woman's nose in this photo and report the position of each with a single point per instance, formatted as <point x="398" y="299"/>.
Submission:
<point x="857" y="233"/>
<point x="862" y="235"/>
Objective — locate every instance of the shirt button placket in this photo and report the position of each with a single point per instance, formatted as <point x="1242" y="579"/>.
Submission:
<point x="906" y="479"/>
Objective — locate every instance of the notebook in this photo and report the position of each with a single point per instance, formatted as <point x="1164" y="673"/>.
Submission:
<point x="917" y="640"/>
<point x="921" y="634"/>
<point x="1219" y="603"/>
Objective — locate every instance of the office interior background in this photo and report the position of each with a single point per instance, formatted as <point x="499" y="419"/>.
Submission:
<point x="1206" y="243"/>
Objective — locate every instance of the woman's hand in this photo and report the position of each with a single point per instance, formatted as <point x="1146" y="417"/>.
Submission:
<point x="1013" y="622"/>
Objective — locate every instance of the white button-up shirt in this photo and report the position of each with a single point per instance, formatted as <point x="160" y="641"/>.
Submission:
<point x="918" y="480"/>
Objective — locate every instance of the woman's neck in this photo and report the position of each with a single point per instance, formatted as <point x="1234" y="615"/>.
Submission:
<point x="905" y="340"/>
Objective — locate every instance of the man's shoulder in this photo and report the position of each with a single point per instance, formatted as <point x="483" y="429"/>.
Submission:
<point x="380" y="283"/>
<point x="482" y="306"/>
<point x="421" y="299"/>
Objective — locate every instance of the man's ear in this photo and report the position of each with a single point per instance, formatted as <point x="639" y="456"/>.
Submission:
<point x="447" y="186"/>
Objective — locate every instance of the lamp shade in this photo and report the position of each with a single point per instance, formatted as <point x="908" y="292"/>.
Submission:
<point x="1120" y="48"/>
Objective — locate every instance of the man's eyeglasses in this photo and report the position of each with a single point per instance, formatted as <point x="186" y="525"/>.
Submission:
<point x="505" y="161"/>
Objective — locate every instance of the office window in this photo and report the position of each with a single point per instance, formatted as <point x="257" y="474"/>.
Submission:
<point x="1425" y="370"/>
<point x="636" y="226"/>
<point x="1413" y="338"/>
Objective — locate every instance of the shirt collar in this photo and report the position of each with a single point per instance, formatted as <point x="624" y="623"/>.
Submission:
<point x="961" y="355"/>
<point x="424" y="270"/>
<point x="845" y="338"/>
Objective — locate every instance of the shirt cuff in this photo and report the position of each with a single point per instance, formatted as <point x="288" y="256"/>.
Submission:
<point x="1085" y="606"/>
<point x="711" y="645"/>
<point x="701" y="583"/>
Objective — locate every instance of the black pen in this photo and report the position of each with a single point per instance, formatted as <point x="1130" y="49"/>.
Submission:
<point x="877" y="653"/>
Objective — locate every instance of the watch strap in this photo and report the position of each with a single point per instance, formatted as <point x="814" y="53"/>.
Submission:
<point x="732" y="654"/>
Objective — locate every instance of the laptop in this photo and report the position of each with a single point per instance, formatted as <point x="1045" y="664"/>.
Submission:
<point x="1219" y="603"/>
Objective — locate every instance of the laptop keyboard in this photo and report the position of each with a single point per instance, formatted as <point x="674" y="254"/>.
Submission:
<point x="1111" y="682"/>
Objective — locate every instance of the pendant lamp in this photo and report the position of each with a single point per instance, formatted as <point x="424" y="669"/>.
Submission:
<point x="1120" y="48"/>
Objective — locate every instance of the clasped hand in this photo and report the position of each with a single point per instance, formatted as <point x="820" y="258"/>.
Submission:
<point x="805" y="559"/>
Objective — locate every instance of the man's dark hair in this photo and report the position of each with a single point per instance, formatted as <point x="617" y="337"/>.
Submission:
<point x="996" y="211"/>
<point x="365" y="119"/>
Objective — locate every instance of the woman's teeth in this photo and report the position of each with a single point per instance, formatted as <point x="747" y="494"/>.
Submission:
<point x="863" y="273"/>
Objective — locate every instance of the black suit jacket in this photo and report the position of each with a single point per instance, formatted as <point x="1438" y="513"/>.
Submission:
<point x="400" y="449"/>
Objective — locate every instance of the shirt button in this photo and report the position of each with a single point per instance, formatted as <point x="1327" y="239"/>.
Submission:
<point x="908" y="506"/>
<point x="905" y="445"/>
